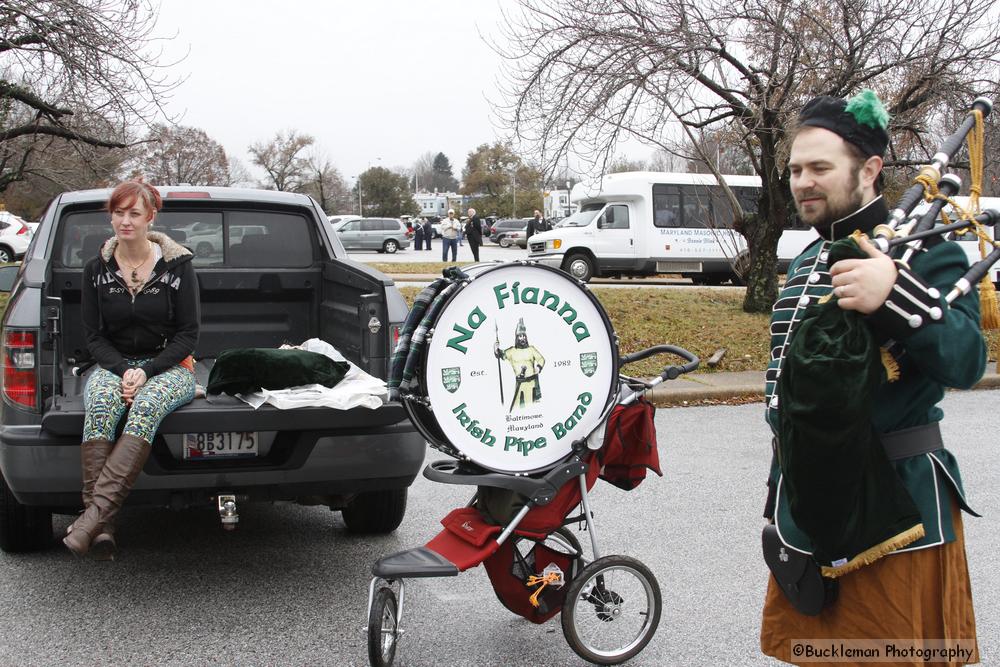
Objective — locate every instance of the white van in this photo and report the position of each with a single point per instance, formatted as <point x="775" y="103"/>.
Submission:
<point x="643" y="223"/>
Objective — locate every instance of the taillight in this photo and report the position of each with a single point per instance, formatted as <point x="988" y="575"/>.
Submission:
<point x="20" y="376"/>
<point x="24" y="229"/>
<point x="394" y="331"/>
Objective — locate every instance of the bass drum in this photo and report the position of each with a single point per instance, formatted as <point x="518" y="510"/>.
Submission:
<point x="520" y="363"/>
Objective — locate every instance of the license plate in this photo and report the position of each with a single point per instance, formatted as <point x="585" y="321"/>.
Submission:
<point x="220" y="445"/>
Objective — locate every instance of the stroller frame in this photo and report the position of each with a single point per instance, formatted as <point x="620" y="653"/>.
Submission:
<point x="385" y="609"/>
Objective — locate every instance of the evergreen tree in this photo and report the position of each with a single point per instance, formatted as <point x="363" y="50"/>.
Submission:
<point x="443" y="179"/>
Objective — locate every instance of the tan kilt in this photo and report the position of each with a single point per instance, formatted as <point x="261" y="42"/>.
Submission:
<point x="918" y="594"/>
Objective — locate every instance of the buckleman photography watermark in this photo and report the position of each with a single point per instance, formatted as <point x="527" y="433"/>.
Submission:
<point x="883" y="650"/>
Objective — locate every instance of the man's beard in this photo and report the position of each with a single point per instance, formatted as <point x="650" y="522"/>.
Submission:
<point x="833" y="212"/>
<point x="521" y="342"/>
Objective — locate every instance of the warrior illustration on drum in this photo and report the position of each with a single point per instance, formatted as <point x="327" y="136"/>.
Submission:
<point x="527" y="363"/>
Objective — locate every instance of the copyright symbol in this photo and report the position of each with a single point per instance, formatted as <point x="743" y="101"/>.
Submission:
<point x="797" y="649"/>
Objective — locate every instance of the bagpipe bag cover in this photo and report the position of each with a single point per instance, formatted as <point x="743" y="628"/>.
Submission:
<point x="842" y="490"/>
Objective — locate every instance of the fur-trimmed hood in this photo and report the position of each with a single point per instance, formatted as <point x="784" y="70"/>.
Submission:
<point x="169" y="248"/>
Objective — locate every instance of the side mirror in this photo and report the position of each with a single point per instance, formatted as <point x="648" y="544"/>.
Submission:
<point x="8" y="274"/>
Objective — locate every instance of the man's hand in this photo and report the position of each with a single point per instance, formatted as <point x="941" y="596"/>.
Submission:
<point x="132" y="380"/>
<point x="863" y="284"/>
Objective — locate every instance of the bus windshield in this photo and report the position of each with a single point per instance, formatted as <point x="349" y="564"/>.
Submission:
<point x="580" y="218"/>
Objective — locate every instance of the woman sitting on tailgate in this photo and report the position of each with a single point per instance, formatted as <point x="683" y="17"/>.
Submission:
<point x="140" y="315"/>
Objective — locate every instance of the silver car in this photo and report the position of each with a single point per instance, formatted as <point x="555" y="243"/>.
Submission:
<point x="380" y="234"/>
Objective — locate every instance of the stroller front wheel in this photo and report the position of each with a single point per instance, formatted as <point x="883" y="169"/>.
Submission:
<point x="611" y="611"/>
<point x="383" y="622"/>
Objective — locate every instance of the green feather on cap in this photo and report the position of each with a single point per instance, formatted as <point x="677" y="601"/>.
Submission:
<point x="868" y="109"/>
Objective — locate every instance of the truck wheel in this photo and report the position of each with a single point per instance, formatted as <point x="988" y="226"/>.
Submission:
<point x="375" y="512"/>
<point x="203" y="249"/>
<point x="580" y="267"/>
<point x="22" y="528"/>
<point x="390" y="246"/>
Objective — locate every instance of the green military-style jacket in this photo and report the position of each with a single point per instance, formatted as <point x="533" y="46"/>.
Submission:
<point x="948" y="353"/>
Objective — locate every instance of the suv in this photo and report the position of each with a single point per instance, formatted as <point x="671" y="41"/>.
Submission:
<point x="381" y="234"/>
<point x="278" y="276"/>
<point x="501" y="229"/>
<point x="15" y="235"/>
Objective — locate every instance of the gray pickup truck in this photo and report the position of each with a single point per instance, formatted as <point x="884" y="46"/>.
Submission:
<point x="270" y="273"/>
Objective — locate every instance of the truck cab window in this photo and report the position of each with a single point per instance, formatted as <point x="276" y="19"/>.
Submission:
<point x="615" y="217"/>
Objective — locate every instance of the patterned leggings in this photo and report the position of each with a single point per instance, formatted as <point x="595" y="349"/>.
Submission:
<point x="158" y="397"/>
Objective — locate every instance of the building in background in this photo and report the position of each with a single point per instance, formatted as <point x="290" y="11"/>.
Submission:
<point x="556" y="204"/>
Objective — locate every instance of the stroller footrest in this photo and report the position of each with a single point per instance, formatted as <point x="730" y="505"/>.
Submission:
<point x="412" y="563"/>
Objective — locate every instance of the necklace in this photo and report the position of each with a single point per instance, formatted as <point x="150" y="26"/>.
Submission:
<point x="135" y="268"/>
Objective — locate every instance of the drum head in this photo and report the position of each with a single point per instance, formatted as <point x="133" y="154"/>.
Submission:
<point x="522" y="363"/>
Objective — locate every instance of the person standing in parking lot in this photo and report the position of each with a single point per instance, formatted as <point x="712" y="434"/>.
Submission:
<point x="535" y="225"/>
<point x="418" y="236"/>
<point x="450" y="227"/>
<point x="428" y="234"/>
<point x="474" y="232"/>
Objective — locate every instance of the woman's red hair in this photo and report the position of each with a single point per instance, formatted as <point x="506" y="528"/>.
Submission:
<point x="129" y="192"/>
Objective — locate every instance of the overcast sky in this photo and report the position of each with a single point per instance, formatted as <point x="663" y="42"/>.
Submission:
<point x="387" y="79"/>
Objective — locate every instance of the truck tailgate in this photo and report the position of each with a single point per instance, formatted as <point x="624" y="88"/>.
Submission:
<point x="226" y="413"/>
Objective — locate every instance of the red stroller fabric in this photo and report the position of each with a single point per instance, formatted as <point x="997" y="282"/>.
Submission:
<point x="543" y="519"/>
<point x="509" y="570"/>
<point x="629" y="445"/>
<point x="467" y="539"/>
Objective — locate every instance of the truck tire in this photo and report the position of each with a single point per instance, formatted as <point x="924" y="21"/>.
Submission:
<point x="580" y="266"/>
<point x="375" y="512"/>
<point x="22" y="528"/>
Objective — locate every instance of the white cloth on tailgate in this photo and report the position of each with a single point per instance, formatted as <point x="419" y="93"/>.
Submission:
<point x="357" y="389"/>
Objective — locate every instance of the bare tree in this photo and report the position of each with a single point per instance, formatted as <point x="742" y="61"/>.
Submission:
<point x="177" y="154"/>
<point x="324" y="183"/>
<point x="423" y="172"/>
<point x="66" y="63"/>
<point x="282" y="160"/>
<point x="583" y="74"/>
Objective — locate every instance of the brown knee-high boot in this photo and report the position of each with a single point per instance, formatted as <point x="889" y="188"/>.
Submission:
<point x="93" y="455"/>
<point x="110" y="490"/>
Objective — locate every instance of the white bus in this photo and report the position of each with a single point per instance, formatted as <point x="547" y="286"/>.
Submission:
<point x="643" y="223"/>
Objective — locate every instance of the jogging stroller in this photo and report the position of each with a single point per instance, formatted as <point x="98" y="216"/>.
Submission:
<point x="532" y="470"/>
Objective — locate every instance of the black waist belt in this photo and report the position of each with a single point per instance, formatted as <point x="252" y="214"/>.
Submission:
<point x="913" y="441"/>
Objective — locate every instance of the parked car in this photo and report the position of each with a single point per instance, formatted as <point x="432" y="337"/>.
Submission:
<point x="289" y="283"/>
<point x="502" y="227"/>
<point x="518" y="238"/>
<point x="338" y="220"/>
<point x="15" y="235"/>
<point x="205" y="238"/>
<point x="380" y="234"/>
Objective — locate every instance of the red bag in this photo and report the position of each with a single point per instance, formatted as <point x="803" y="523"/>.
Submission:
<point x="629" y="445"/>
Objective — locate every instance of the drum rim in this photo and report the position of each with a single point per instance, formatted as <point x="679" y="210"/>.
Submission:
<point x="446" y="447"/>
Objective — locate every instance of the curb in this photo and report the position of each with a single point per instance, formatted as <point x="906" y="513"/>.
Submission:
<point x="674" y="393"/>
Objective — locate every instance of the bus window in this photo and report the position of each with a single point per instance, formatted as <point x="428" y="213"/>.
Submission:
<point x="697" y="207"/>
<point x="614" y="217"/>
<point x="666" y="206"/>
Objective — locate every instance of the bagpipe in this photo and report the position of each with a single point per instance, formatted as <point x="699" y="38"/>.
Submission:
<point x="905" y="230"/>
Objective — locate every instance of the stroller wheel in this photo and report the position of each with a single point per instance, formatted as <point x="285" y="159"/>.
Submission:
<point x="382" y="624"/>
<point x="611" y="611"/>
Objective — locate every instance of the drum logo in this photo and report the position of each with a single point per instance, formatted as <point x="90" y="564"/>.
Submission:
<point x="451" y="378"/>
<point x="588" y="363"/>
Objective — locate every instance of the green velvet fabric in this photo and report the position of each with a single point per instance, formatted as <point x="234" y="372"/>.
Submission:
<point x="842" y="490"/>
<point x="246" y="370"/>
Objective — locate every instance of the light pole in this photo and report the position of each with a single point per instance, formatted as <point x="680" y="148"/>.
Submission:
<point x="357" y="180"/>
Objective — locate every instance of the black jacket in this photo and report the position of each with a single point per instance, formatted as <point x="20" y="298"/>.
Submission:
<point x="160" y="323"/>
<point x="535" y="226"/>
<point x="474" y="230"/>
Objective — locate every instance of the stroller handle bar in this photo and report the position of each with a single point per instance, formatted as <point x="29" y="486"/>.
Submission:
<point x="670" y="372"/>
